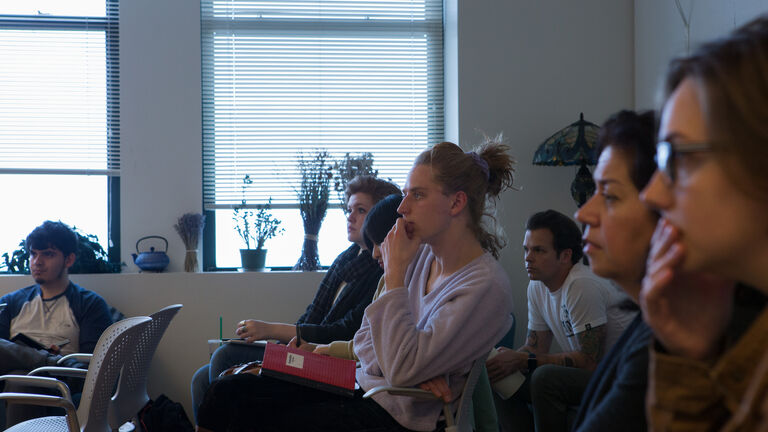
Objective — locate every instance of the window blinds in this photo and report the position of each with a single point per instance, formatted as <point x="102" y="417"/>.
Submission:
<point x="284" y="77"/>
<point x="59" y="94"/>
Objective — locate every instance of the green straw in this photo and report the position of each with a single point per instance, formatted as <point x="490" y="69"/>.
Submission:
<point x="220" y="330"/>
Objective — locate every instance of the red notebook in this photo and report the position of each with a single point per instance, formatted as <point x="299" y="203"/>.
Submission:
<point x="322" y="372"/>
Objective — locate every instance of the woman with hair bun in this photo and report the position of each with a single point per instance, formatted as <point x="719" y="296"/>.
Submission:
<point x="447" y="299"/>
<point x="446" y="303"/>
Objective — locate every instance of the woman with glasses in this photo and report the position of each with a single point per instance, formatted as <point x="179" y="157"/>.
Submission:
<point x="709" y="365"/>
<point x="616" y="239"/>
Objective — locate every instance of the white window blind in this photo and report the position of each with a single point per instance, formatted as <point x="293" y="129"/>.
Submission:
<point x="283" y="77"/>
<point x="59" y="88"/>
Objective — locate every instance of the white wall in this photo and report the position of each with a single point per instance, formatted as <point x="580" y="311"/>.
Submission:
<point x="523" y="67"/>
<point x="528" y="69"/>
<point x="660" y="35"/>
<point x="161" y="126"/>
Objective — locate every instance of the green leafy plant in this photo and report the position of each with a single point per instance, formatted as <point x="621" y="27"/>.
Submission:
<point x="350" y="167"/>
<point x="18" y="260"/>
<point x="255" y="227"/>
<point x="91" y="257"/>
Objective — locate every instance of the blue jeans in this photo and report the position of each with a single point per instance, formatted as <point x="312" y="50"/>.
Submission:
<point x="222" y="359"/>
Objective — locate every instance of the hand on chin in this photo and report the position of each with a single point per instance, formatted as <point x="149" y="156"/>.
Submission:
<point x="410" y="229"/>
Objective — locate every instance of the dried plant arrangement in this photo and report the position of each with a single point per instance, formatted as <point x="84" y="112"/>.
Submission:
<point x="190" y="228"/>
<point x="350" y="167"/>
<point x="316" y="172"/>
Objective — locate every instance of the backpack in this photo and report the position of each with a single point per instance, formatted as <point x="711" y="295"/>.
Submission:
<point x="164" y="415"/>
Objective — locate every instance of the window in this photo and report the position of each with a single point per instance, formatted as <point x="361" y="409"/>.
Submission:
<point x="283" y="77"/>
<point x="59" y="118"/>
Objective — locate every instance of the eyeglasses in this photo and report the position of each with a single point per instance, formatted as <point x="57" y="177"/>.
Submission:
<point x="666" y="153"/>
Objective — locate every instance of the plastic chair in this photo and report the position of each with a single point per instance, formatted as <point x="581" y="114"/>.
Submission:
<point x="131" y="394"/>
<point x="509" y="339"/>
<point x="112" y="350"/>
<point x="463" y="421"/>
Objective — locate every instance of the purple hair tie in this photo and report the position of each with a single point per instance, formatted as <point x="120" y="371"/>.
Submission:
<point x="481" y="163"/>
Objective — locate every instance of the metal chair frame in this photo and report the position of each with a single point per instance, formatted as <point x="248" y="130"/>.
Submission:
<point x="131" y="394"/>
<point x="463" y="420"/>
<point x="112" y="350"/>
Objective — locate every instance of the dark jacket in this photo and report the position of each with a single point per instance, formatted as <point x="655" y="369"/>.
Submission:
<point x="615" y="395"/>
<point x="325" y="321"/>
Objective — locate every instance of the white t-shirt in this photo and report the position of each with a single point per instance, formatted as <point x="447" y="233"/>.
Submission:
<point x="584" y="301"/>
<point x="49" y="322"/>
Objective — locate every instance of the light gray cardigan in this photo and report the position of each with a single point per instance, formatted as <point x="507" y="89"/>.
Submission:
<point x="407" y="337"/>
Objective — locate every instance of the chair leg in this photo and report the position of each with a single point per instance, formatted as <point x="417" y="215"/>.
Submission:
<point x="448" y="416"/>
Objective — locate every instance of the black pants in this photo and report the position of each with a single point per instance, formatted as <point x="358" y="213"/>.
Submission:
<point x="246" y="402"/>
<point x="554" y="393"/>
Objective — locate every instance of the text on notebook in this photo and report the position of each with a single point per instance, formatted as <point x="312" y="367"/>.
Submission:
<point x="294" y="360"/>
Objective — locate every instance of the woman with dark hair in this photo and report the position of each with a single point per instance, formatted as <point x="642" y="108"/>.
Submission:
<point x="446" y="302"/>
<point x="709" y="365"/>
<point x="617" y="239"/>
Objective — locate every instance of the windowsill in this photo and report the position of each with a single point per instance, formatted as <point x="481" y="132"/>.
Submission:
<point x="277" y="271"/>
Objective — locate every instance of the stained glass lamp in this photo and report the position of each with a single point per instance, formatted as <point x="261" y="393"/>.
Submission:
<point x="572" y="145"/>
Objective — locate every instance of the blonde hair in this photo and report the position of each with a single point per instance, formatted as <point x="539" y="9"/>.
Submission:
<point x="482" y="175"/>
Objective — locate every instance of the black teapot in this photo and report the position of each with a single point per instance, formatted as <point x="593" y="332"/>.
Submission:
<point x="151" y="261"/>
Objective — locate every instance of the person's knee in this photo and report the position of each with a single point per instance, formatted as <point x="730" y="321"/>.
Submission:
<point x="220" y="360"/>
<point x="200" y="380"/>
<point x="545" y="379"/>
<point x="198" y="387"/>
<point x="221" y="353"/>
<point x="229" y="355"/>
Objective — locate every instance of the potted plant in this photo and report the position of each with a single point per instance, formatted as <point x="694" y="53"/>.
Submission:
<point x="255" y="228"/>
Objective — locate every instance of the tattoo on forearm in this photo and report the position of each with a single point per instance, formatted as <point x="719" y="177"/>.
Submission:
<point x="592" y="342"/>
<point x="532" y="339"/>
<point x="568" y="362"/>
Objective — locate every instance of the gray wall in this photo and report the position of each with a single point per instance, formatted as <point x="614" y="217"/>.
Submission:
<point x="528" y="69"/>
<point x="660" y="35"/>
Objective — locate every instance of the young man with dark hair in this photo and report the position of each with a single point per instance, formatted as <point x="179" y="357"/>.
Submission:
<point x="568" y="303"/>
<point x="338" y="306"/>
<point x="55" y="313"/>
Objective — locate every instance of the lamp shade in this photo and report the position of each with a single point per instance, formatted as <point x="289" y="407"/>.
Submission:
<point x="572" y="145"/>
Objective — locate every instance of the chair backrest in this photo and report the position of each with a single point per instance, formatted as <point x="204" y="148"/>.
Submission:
<point x="112" y="349"/>
<point x="509" y="339"/>
<point x="464" y="420"/>
<point x="131" y="394"/>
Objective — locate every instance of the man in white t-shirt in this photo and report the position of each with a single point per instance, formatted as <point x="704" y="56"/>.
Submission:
<point x="569" y="304"/>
